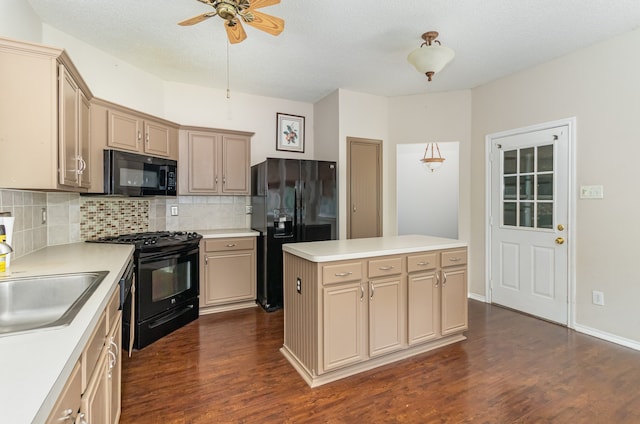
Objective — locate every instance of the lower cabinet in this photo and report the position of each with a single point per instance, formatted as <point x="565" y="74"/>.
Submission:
<point x="227" y="274"/>
<point x="372" y="311"/>
<point x="92" y="393"/>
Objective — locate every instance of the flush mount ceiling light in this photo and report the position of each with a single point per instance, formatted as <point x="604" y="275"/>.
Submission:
<point x="430" y="58"/>
<point x="432" y="161"/>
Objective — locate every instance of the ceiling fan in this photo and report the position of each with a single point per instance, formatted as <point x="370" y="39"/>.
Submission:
<point x="230" y="10"/>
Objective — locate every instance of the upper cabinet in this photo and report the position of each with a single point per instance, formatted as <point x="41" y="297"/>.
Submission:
<point x="214" y="162"/>
<point x="44" y="119"/>
<point x="138" y="134"/>
<point x="118" y="127"/>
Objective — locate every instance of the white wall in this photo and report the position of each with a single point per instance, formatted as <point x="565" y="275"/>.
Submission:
<point x="599" y="86"/>
<point x="200" y="106"/>
<point x="437" y="117"/>
<point x="427" y="200"/>
<point x="19" y="21"/>
<point x="326" y="115"/>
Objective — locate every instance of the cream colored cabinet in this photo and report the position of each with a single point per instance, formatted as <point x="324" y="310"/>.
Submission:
<point x="133" y="132"/>
<point x="386" y="305"/>
<point x="454" y="291"/>
<point x="228" y="273"/>
<point x="92" y="393"/>
<point x="68" y="404"/>
<point x="344" y="317"/>
<point x="214" y="162"/>
<point x="423" y="283"/>
<point x="74" y="134"/>
<point x="44" y="134"/>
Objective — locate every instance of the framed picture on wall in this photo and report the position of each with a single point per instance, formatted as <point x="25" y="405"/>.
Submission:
<point x="289" y="132"/>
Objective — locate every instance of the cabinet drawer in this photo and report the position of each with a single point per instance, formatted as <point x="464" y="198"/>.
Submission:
<point x="113" y="306"/>
<point x="454" y="257"/>
<point x="91" y="353"/>
<point x="387" y="266"/>
<point x="341" y="273"/>
<point x="226" y="244"/>
<point x="422" y="262"/>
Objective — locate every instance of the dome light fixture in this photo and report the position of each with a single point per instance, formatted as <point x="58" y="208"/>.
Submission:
<point x="432" y="161"/>
<point x="430" y="58"/>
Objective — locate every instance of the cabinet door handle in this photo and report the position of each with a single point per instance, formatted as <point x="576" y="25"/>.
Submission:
<point x="372" y="288"/>
<point x="437" y="279"/>
<point x="139" y="135"/>
<point x="112" y="343"/>
<point x="422" y="263"/>
<point x="386" y="268"/>
<point x="343" y="274"/>
<point x="81" y="419"/>
<point x="206" y="260"/>
<point x="361" y="292"/>
<point x="231" y="245"/>
<point x="224" y="180"/>
<point x="444" y="278"/>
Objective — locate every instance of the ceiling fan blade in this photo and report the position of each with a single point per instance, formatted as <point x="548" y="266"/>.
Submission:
<point x="266" y="23"/>
<point x="197" y="19"/>
<point x="235" y="33"/>
<point x="257" y="4"/>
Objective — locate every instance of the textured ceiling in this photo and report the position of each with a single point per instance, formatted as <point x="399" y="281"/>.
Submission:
<point x="359" y="45"/>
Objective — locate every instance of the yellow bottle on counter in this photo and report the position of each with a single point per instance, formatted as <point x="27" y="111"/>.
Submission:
<point x="3" y="258"/>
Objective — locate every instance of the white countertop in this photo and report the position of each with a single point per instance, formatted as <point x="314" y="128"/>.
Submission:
<point x="233" y="232"/>
<point x="35" y="366"/>
<point x="337" y="250"/>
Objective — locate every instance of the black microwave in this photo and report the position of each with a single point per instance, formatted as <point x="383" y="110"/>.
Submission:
<point x="131" y="174"/>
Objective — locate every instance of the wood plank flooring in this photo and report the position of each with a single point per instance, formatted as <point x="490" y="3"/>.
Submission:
<point x="226" y="368"/>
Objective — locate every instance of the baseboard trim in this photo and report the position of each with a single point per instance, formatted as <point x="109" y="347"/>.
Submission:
<point x="477" y="297"/>
<point x="607" y="336"/>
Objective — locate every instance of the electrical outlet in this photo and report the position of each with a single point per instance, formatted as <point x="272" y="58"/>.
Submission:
<point x="597" y="298"/>
<point x="249" y="209"/>
<point x="298" y="285"/>
<point x="174" y="211"/>
<point x="43" y="212"/>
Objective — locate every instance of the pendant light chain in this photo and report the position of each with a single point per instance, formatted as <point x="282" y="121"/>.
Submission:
<point x="228" y="89"/>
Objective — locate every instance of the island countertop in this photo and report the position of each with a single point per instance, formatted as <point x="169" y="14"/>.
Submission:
<point x="337" y="250"/>
<point x="36" y="365"/>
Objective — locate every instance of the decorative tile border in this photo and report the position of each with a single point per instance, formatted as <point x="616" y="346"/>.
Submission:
<point x="107" y="217"/>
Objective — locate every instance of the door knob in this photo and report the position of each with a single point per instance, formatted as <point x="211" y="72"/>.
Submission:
<point x="560" y="227"/>
<point x="559" y="240"/>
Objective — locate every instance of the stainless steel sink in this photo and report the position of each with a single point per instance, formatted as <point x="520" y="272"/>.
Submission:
<point x="44" y="302"/>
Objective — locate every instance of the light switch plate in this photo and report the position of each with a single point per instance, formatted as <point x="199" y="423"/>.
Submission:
<point x="174" y="211"/>
<point x="592" y="192"/>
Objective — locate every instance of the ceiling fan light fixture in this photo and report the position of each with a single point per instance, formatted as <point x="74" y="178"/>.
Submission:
<point x="430" y="58"/>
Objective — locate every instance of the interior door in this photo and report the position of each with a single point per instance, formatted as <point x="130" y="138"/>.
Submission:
<point x="364" y="196"/>
<point x="529" y="213"/>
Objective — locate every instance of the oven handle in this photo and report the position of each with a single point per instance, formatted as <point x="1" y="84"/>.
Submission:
<point x="152" y="257"/>
<point x="171" y="316"/>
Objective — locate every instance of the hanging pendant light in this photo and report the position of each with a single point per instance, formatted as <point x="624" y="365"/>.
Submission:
<point x="432" y="161"/>
<point x="430" y="58"/>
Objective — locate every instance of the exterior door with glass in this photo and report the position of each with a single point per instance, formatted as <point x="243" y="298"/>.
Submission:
<point x="529" y="213"/>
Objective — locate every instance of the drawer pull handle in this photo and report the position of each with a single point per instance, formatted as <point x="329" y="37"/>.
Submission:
<point x="456" y="259"/>
<point x="422" y="263"/>
<point x="231" y="245"/>
<point x="386" y="268"/>
<point x="343" y="274"/>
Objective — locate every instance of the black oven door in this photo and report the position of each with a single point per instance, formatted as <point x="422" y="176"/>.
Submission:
<point x="166" y="278"/>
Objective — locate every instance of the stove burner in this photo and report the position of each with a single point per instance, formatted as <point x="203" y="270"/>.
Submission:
<point x="151" y="238"/>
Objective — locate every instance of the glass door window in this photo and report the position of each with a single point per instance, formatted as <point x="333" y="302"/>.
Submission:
<point x="527" y="187"/>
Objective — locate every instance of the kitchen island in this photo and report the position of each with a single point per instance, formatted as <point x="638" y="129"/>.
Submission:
<point x="35" y="366"/>
<point x="353" y="305"/>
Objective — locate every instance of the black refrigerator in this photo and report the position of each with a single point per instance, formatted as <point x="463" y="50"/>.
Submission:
<point x="292" y="201"/>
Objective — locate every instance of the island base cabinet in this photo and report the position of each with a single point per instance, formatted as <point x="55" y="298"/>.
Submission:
<point x="454" y="300"/>
<point x="338" y="322"/>
<point x="344" y="325"/>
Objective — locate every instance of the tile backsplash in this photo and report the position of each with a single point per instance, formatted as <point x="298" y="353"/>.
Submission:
<point x="73" y="218"/>
<point x="101" y="217"/>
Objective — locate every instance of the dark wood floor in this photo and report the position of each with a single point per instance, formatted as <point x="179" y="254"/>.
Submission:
<point x="226" y="368"/>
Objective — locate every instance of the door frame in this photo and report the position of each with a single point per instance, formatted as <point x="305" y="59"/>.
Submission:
<point x="570" y="123"/>
<point x="378" y="144"/>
